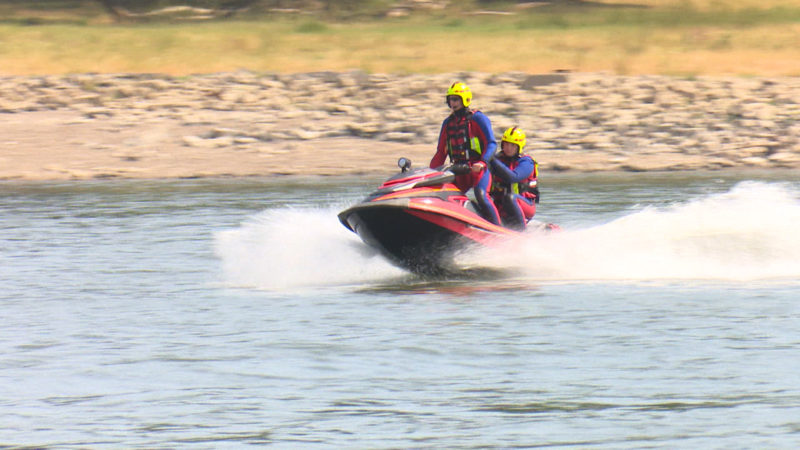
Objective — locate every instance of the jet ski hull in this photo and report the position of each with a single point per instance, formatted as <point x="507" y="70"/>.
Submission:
<point x="420" y="235"/>
<point x="418" y="219"/>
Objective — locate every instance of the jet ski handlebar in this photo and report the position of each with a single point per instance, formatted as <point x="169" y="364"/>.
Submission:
<point x="457" y="168"/>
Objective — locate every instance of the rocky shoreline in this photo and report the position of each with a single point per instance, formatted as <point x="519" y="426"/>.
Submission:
<point x="244" y="123"/>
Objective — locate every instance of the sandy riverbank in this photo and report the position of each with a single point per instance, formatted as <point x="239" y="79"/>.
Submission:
<point x="248" y="124"/>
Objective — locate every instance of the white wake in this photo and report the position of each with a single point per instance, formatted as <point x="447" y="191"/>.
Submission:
<point x="290" y="248"/>
<point x="747" y="233"/>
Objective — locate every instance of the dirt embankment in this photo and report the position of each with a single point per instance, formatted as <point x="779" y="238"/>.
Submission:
<point x="244" y="123"/>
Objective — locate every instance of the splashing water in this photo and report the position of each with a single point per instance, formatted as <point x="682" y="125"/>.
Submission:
<point x="748" y="233"/>
<point x="297" y="248"/>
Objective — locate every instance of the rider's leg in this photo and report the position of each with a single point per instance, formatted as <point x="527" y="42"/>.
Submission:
<point x="519" y="209"/>
<point x="488" y="210"/>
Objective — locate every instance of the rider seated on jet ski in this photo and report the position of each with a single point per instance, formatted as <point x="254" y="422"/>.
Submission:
<point x="514" y="188"/>
<point x="466" y="137"/>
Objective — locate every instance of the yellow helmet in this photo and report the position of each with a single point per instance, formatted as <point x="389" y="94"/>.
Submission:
<point x="515" y="136"/>
<point x="461" y="90"/>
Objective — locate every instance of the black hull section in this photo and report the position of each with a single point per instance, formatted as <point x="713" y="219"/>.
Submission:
<point x="408" y="241"/>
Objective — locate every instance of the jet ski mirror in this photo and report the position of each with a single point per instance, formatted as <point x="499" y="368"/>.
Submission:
<point x="404" y="164"/>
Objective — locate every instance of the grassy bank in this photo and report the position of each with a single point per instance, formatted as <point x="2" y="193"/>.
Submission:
<point x="656" y="36"/>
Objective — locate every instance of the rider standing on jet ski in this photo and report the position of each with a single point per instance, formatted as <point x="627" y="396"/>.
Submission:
<point x="467" y="138"/>
<point x="514" y="188"/>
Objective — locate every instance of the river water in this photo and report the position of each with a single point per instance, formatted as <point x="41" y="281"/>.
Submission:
<point x="222" y="313"/>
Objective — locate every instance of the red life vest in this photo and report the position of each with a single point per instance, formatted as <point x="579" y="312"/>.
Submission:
<point x="462" y="139"/>
<point x="524" y="187"/>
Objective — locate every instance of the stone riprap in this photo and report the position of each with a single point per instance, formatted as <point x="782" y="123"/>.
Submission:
<point x="580" y="122"/>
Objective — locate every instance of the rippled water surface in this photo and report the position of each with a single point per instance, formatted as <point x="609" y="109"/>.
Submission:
<point x="211" y="313"/>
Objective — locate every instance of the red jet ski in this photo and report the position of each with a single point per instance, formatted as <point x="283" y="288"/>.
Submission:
<point x="418" y="219"/>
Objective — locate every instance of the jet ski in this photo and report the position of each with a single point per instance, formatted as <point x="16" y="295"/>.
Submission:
<point x="418" y="219"/>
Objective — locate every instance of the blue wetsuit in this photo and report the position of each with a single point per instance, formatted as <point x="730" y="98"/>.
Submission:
<point x="509" y="189"/>
<point x="467" y="136"/>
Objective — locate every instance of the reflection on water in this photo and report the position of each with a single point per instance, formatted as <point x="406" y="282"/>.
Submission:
<point x="229" y="312"/>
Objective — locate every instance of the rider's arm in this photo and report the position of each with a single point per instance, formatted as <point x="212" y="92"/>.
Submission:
<point x="521" y="173"/>
<point x="488" y="136"/>
<point x="441" y="149"/>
